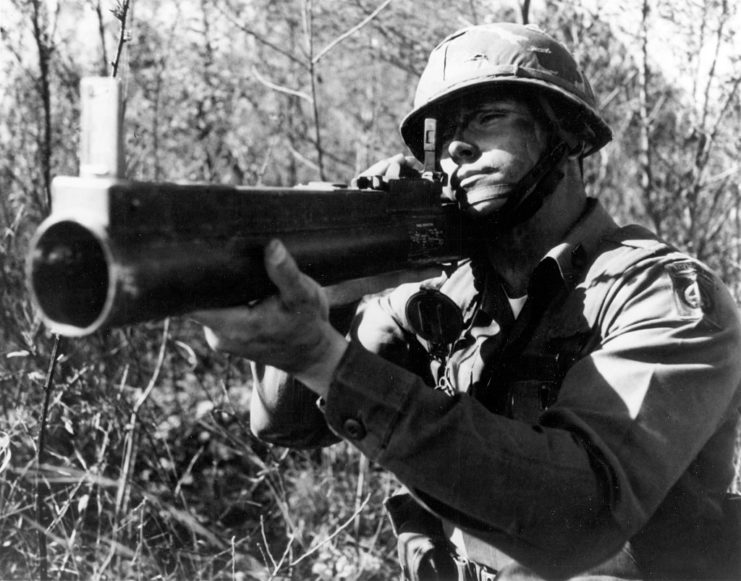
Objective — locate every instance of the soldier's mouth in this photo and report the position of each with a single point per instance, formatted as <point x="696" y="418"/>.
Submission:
<point x="496" y="194"/>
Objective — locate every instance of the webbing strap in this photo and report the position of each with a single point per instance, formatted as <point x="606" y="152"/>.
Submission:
<point x="539" y="183"/>
<point x="518" y="336"/>
<point x="472" y="571"/>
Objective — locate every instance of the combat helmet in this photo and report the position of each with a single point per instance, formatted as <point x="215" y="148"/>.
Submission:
<point x="490" y="57"/>
<point x="512" y="59"/>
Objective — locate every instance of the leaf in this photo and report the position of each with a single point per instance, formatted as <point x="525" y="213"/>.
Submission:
<point x="5" y="453"/>
<point x="203" y="408"/>
<point x="12" y="354"/>
<point x="83" y="502"/>
<point x="187" y="353"/>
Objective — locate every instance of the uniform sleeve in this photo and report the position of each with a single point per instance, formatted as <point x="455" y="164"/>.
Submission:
<point x="630" y="418"/>
<point x="284" y="412"/>
<point x="663" y="382"/>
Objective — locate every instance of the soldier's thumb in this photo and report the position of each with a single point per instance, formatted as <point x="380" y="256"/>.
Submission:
<point x="283" y="271"/>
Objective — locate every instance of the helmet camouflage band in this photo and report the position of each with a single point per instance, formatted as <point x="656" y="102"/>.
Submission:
<point x="489" y="57"/>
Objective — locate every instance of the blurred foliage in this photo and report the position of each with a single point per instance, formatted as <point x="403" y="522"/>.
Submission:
<point x="277" y="92"/>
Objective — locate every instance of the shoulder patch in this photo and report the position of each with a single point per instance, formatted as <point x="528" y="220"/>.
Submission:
<point x="693" y="290"/>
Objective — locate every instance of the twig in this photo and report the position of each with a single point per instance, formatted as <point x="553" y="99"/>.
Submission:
<point x="360" y="486"/>
<point x="645" y="143"/>
<point x="350" y="32"/>
<point x="121" y="13"/>
<point x="342" y="527"/>
<point x="259" y="38"/>
<point x="130" y="449"/>
<point x="134" y="418"/>
<point x="44" y="49"/>
<point x="283" y="557"/>
<point x="302" y="158"/>
<point x="525" y="11"/>
<point x="41" y="508"/>
<point x="265" y="542"/>
<point x="5" y="453"/>
<point x="68" y="474"/>
<point x="188" y="470"/>
<point x="734" y="86"/>
<point x="309" y="31"/>
<point x="233" y="556"/>
<point x="279" y="88"/>
<point x="713" y="64"/>
<point x="101" y="32"/>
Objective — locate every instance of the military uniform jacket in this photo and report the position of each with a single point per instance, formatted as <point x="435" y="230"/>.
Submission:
<point x="600" y="422"/>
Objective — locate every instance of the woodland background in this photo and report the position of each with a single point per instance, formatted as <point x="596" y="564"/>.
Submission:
<point x="127" y="454"/>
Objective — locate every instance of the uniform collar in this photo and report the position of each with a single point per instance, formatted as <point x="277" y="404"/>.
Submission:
<point x="579" y="247"/>
<point x="564" y="264"/>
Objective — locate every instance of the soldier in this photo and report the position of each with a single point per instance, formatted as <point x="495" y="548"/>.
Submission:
<point x="562" y="404"/>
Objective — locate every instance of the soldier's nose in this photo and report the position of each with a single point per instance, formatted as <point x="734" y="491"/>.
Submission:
<point x="462" y="151"/>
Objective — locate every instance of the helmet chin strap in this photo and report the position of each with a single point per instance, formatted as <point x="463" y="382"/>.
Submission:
<point x="526" y="197"/>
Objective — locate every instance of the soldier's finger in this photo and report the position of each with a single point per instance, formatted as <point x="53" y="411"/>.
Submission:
<point x="386" y="167"/>
<point x="285" y="274"/>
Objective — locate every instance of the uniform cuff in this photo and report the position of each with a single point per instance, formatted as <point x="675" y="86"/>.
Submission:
<point x="367" y="397"/>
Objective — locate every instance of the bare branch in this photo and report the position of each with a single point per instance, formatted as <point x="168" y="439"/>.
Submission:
<point x="701" y="42"/>
<point x="121" y="12"/>
<point x="735" y="83"/>
<point x="44" y="47"/>
<point x="261" y="39"/>
<point x="525" y="11"/>
<point x="350" y="32"/>
<point x="101" y="32"/>
<point x="41" y="504"/>
<point x="343" y="526"/>
<point x="309" y="31"/>
<point x="302" y="158"/>
<point x="714" y="63"/>
<point x="280" y="88"/>
<point x="130" y="446"/>
<point x="713" y="227"/>
<point x="645" y="149"/>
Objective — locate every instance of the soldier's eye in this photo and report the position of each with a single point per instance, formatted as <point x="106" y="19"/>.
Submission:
<point x="484" y="117"/>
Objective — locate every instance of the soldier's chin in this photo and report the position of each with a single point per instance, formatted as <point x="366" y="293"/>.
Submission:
<point x="485" y="201"/>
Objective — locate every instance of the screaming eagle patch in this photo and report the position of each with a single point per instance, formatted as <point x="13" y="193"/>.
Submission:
<point x="693" y="290"/>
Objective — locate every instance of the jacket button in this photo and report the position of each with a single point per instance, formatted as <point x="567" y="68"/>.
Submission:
<point x="354" y="428"/>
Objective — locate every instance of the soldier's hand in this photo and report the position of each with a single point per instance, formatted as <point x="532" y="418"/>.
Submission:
<point x="398" y="166"/>
<point x="290" y="330"/>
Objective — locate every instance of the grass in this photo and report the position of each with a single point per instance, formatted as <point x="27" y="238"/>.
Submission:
<point x="150" y="472"/>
